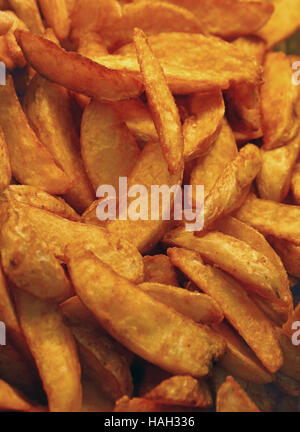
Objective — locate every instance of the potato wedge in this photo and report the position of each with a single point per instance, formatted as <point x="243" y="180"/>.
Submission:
<point x="283" y="23"/>
<point x="137" y="332"/>
<point x="137" y="405"/>
<point x="181" y="391"/>
<point x="30" y="265"/>
<point x="36" y="197"/>
<point x="290" y="255"/>
<point x="282" y="161"/>
<point x="232" y="398"/>
<point x="271" y="218"/>
<point x="6" y="22"/>
<point x="28" y="11"/>
<point x="58" y="233"/>
<point x="13" y="400"/>
<point x="49" y="110"/>
<point x="279" y="126"/>
<point x="151" y="168"/>
<point x="93" y="398"/>
<point x="91" y="79"/>
<point x="231" y="188"/>
<point x="30" y="161"/>
<point x="162" y="105"/>
<point x="53" y="349"/>
<point x="109" y="151"/>
<point x="201" y="130"/>
<point x="228" y="18"/>
<point x="252" y="45"/>
<point x="196" y="306"/>
<point x="100" y="355"/>
<point x="208" y="168"/>
<point x="239" y="359"/>
<point x="5" y="168"/>
<point x="158" y="269"/>
<point x="237" y="306"/>
<point x="57" y="17"/>
<point x="234" y="256"/>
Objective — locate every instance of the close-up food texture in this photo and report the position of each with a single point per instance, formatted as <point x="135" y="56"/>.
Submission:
<point x="150" y="206"/>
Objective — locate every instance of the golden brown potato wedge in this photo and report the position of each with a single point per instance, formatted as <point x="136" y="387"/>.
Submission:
<point x="228" y="18"/>
<point x="109" y="151"/>
<point x="6" y="22"/>
<point x="252" y="45"/>
<point x="234" y="256"/>
<point x="54" y="350"/>
<point x="57" y="17"/>
<point x="279" y="126"/>
<point x="201" y="129"/>
<point x="232" y="398"/>
<point x="237" y="306"/>
<point x="49" y="110"/>
<point x="289" y="253"/>
<point x="91" y="79"/>
<point x="28" y="11"/>
<point x="96" y="284"/>
<point x="159" y="269"/>
<point x="5" y="168"/>
<point x="30" y="161"/>
<point x="100" y="355"/>
<point x="231" y="188"/>
<point x="194" y="305"/>
<point x="58" y="232"/>
<point x="282" y="161"/>
<point x="181" y="391"/>
<point x="282" y="23"/>
<point x="36" y="197"/>
<point x="240" y="360"/>
<point x="162" y="105"/>
<point x="271" y="218"/>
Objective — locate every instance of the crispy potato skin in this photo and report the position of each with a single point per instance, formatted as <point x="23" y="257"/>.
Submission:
<point x="232" y="398"/>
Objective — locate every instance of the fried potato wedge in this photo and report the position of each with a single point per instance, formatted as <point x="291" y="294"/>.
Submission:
<point x="96" y="284"/>
<point x="13" y="400"/>
<point x="240" y="360"/>
<point x="137" y="405"/>
<point x="91" y="45"/>
<point x="14" y="51"/>
<point x="57" y="17"/>
<point x="36" y="197"/>
<point x="234" y="256"/>
<point x="208" y="168"/>
<point x="30" y="161"/>
<point x="152" y="18"/>
<point x="235" y="228"/>
<point x="49" y="110"/>
<point x="30" y="265"/>
<point x="295" y="183"/>
<point x="28" y="11"/>
<point x="252" y="45"/>
<point x="159" y="269"/>
<point x="162" y="105"/>
<point x="58" y="233"/>
<point x="91" y="79"/>
<point x="93" y="397"/>
<point x="181" y="391"/>
<point x="5" y="168"/>
<point x="194" y="305"/>
<point x="189" y="58"/>
<point x="291" y="356"/>
<point x="281" y="160"/>
<point x="290" y="255"/>
<point x="238" y="308"/>
<point x="138" y="119"/>
<point x="201" y="129"/>
<point x="230" y="188"/>
<point x="271" y="218"/>
<point x="6" y="22"/>
<point x="232" y="398"/>
<point x="53" y="349"/>
<point x="93" y="16"/>
<point x="151" y="168"/>
<point x="100" y="355"/>
<point x="279" y="126"/>
<point x="228" y="18"/>
<point x="108" y="149"/>
<point x="283" y="23"/>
